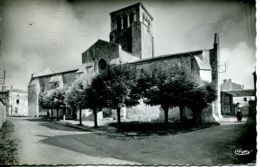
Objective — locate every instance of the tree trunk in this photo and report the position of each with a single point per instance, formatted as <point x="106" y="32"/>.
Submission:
<point x="95" y="117"/>
<point x="166" y="110"/>
<point x="197" y="116"/>
<point x="48" y="114"/>
<point x="182" y="113"/>
<point x="51" y="114"/>
<point x="74" y="114"/>
<point x="64" y="113"/>
<point x="58" y="114"/>
<point x="80" y="117"/>
<point x="118" y="118"/>
<point x="194" y="115"/>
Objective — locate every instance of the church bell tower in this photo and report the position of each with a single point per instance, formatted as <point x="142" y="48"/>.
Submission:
<point x="131" y="27"/>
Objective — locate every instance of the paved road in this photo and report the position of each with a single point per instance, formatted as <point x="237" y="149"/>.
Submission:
<point x="32" y="150"/>
<point x="47" y="143"/>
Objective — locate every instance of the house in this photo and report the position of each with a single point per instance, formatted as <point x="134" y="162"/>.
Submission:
<point x="233" y="93"/>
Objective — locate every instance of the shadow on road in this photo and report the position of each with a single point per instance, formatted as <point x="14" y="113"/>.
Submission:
<point x="37" y="120"/>
<point x="52" y="125"/>
<point x="79" y="143"/>
<point x="247" y="142"/>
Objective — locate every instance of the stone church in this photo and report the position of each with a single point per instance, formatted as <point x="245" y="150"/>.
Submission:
<point x="131" y="42"/>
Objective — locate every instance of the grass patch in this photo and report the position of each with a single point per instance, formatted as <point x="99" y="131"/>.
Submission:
<point x="8" y="146"/>
<point x="159" y="128"/>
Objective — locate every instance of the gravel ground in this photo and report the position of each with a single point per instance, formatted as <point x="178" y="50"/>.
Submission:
<point x="8" y="145"/>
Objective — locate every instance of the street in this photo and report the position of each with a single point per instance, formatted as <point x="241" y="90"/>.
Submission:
<point x="33" y="150"/>
<point x="43" y="142"/>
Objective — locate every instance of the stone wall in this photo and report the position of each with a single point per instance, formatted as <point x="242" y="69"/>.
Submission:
<point x="41" y="84"/>
<point x="100" y="50"/>
<point x="33" y="99"/>
<point x="2" y="113"/>
<point x="167" y="62"/>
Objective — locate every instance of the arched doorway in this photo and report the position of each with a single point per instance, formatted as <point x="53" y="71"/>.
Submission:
<point x="102" y="65"/>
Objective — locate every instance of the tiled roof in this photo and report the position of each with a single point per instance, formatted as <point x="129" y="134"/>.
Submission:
<point x="240" y="93"/>
<point x="229" y="85"/>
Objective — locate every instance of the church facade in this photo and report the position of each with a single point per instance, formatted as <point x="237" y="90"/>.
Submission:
<point x="131" y="42"/>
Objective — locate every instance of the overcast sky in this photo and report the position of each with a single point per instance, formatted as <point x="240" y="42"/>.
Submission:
<point x="38" y="34"/>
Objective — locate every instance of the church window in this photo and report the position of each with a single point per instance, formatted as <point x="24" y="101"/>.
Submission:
<point x="102" y="65"/>
<point x="149" y="25"/>
<point x="118" y="23"/>
<point x="131" y="17"/>
<point x="125" y="21"/>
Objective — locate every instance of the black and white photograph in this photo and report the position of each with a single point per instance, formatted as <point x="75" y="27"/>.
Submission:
<point x="128" y="82"/>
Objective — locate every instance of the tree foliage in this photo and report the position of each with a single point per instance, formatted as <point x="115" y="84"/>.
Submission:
<point x="53" y="99"/>
<point x="176" y="86"/>
<point x="45" y="100"/>
<point x="113" y="87"/>
<point x="80" y="95"/>
<point x="200" y="98"/>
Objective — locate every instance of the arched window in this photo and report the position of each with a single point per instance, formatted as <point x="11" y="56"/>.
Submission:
<point x="118" y="23"/>
<point x="125" y="21"/>
<point x="131" y="17"/>
<point x="102" y="65"/>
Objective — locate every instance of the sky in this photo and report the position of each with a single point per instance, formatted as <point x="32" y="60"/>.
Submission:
<point x="40" y="34"/>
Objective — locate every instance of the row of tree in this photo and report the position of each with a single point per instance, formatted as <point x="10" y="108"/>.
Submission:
<point x="121" y="85"/>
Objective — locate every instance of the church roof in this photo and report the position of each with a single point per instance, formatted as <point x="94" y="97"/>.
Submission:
<point x="124" y="57"/>
<point x="44" y="72"/>
<point x="85" y="66"/>
<point x="100" y="41"/>
<point x="58" y="73"/>
<point x="169" y="56"/>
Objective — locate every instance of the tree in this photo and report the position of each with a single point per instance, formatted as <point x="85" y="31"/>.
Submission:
<point x="200" y="98"/>
<point x="75" y="98"/>
<point x="46" y="101"/>
<point x="114" y="87"/>
<point x="70" y="100"/>
<point x="80" y="95"/>
<point x="169" y="87"/>
<point x="58" y="95"/>
<point x="93" y="102"/>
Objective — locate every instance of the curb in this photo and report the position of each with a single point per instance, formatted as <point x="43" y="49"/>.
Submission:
<point x="88" y="129"/>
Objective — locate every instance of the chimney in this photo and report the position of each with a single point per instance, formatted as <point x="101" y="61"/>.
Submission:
<point x="230" y="80"/>
<point x="224" y="81"/>
<point x="216" y="39"/>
